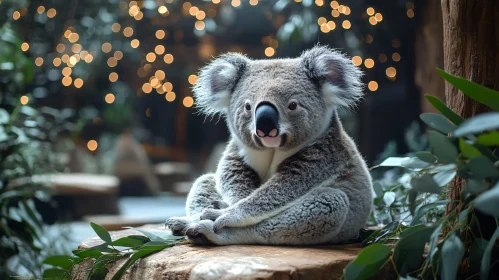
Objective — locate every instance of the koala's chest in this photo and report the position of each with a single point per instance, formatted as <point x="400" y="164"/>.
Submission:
<point x="265" y="162"/>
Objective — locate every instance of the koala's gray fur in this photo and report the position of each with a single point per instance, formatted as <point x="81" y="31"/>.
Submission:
<point x="314" y="188"/>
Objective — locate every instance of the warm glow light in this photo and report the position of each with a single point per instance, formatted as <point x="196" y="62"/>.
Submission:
<point x="236" y="3"/>
<point x="113" y="77"/>
<point x="162" y="9"/>
<point x="168" y="58"/>
<point x="335" y="13"/>
<point x="192" y="79"/>
<point x="160" y="34"/>
<point x="369" y="38"/>
<point x="135" y="43"/>
<point x="128" y="31"/>
<point x="109" y="98"/>
<point x="373" y="86"/>
<point x="151" y="57"/>
<point x="60" y="48"/>
<point x="73" y="37"/>
<point x="65" y="58"/>
<point x="373" y="21"/>
<point x="57" y="62"/>
<point x="66" y="71"/>
<point x="40" y="9"/>
<point x="200" y="15"/>
<point x="147" y="88"/>
<point x="112" y="62"/>
<point x="170" y="96"/>
<point x="116" y="27"/>
<point x="321" y="21"/>
<point x="107" y="47"/>
<point x="16" y="15"/>
<point x="78" y="83"/>
<point x="347" y="11"/>
<point x="269" y="51"/>
<point x="188" y="101"/>
<point x="118" y="55"/>
<point x="66" y="81"/>
<point x="154" y="82"/>
<point x="382" y="57"/>
<point x="92" y="145"/>
<point x="378" y="17"/>
<point x="38" y="61"/>
<point x="24" y="46"/>
<point x="24" y="100"/>
<point x="324" y="28"/>
<point x="253" y="2"/>
<point x="159" y="49"/>
<point x="395" y="43"/>
<point x="346" y="24"/>
<point x="160" y="74"/>
<point x="410" y="13"/>
<point x="370" y="11"/>
<point x="396" y="57"/>
<point x="335" y="4"/>
<point x="67" y="33"/>
<point x="215" y="1"/>
<point x="51" y="13"/>
<point x="89" y="58"/>
<point x="331" y="25"/>
<point x="357" y="60"/>
<point x="199" y="25"/>
<point x="167" y="87"/>
<point x="76" y="48"/>
<point x="72" y="61"/>
<point x="319" y="3"/>
<point x="369" y="63"/>
<point x="193" y="10"/>
<point x="391" y="72"/>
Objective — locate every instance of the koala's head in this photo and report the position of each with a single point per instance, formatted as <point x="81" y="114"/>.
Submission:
<point x="281" y="103"/>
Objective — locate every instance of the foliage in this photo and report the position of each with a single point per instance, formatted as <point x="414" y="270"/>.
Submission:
<point x="459" y="148"/>
<point x="131" y="248"/>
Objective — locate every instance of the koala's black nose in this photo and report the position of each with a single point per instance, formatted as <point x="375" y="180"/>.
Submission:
<point x="266" y="117"/>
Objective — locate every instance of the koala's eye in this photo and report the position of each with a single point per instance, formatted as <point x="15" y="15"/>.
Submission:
<point x="247" y="107"/>
<point x="292" y="106"/>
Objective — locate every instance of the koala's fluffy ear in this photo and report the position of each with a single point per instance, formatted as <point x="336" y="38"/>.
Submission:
<point x="217" y="80"/>
<point x="339" y="79"/>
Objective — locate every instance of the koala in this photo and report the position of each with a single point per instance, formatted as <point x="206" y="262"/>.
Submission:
<point x="290" y="174"/>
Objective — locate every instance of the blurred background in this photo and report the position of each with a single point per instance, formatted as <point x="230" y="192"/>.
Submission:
<point x="98" y="121"/>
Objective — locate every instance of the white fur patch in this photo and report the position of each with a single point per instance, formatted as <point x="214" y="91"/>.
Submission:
<point x="332" y="95"/>
<point x="222" y="100"/>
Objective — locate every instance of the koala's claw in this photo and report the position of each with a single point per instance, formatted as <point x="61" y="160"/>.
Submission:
<point x="177" y="225"/>
<point x="197" y="233"/>
<point x="211" y="214"/>
<point x="219" y="204"/>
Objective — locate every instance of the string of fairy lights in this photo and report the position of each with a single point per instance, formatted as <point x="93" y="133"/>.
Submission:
<point x="69" y="52"/>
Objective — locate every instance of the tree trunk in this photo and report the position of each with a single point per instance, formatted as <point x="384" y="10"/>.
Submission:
<point x="471" y="51"/>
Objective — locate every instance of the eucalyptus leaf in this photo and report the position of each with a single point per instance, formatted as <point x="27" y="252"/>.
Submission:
<point x="473" y="186"/>
<point x="442" y="108"/>
<point x="482" y="168"/>
<point x="425" y="184"/>
<point x="131" y="241"/>
<point x="389" y="198"/>
<point x="157" y="235"/>
<point x="369" y="261"/>
<point x="437" y="122"/>
<point x="478" y="124"/>
<point x="443" y="178"/>
<point x="63" y="261"/>
<point x="411" y="197"/>
<point x="378" y="189"/>
<point x="102" y="233"/>
<point x="442" y="148"/>
<point x="4" y="116"/>
<point x="394" y="161"/>
<point x="432" y="245"/>
<point x="55" y="273"/>
<point x="489" y="139"/>
<point x="422" y="210"/>
<point x="414" y="163"/>
<point x="487" y="202"/>
<point x="475" y="91"/>
<point x="476" y="252"/>
<point x="410" y="247"/>
<point x="452" y="253"/>
<point x="485" y="267"/>
<point x="426" y="157"/>
<point x="467" y="150"/>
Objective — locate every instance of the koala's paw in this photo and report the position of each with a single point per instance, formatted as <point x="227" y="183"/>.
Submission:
<point x="178" y="225"/>
<point x="211" y="214"/>
<point x="220" y="204"/>
<point x="197" y="233"/>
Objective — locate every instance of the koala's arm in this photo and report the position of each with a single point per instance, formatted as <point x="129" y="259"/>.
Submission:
<point x="236" y="180"/>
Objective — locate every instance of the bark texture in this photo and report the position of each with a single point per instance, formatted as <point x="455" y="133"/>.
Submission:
<point x="471" y="51"/>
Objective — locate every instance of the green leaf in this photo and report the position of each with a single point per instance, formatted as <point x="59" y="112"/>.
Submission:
<point x="437" y="122"/>
<point x="426" y="157"/>
<point x="487" y="202"/>
<point x="489" y="139"/>
<point x="425" y="184"/>
<point x="378" y="189"/>
<point x="477" y="124"/>
<point x="443" y="178"/>
<point x="414" y="163"/>
<point x="157" y="235"/>
<point x="369" y="261"/>
<point x="452" y="252"/>
<point x="389" y="198"/>
<point x="55" y="273"/>
<point x="482" y="168"/>
<point x="147" y="249"/>
<point x="88" y="253"/>
<point x="131" y="241"/>
<point x="475" y="91"/>
<point x="62" y="261"/>
<point x="393" y="161"/>
<point x="473" y="186"/>
<point x="409" y="249"/>
<point x="421" y="211"/>
<point x="467" y="150"/>
<point x="98" y="273"/>
<point x="102" y="233"/>
<point x="485" y="267"/>
<point x="432" y="245"/>
<point x="442" y="108"/>
<point x="4" y="116"/>
<point x="476" y="253"/>
<point x="442" y="147"/>
<point x="411" y="197"/>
